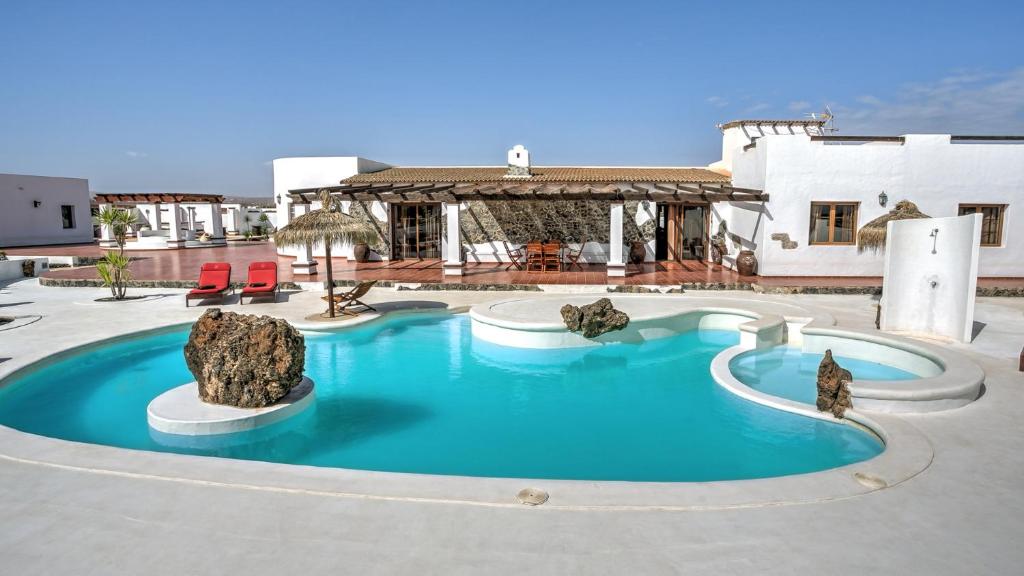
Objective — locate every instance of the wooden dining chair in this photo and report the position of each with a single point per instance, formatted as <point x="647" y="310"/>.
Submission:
<point x="516" y="256"/>
<point x="534" y="257"/>
<point x="573" y="256"/>
<point x="552" y="256"/>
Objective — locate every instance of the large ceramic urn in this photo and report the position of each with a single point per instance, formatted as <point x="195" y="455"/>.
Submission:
<point x="637" y="252"/>
<point x="361" y="252"/>
<point x="746" y="263"/>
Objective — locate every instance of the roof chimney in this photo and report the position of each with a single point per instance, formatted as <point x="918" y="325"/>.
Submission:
<point x="518" y="162"/>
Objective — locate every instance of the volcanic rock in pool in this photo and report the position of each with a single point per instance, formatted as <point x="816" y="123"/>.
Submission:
<point x="594" y="319"/>
<point x="244" y="360"/>
<point x="833" y="387"/>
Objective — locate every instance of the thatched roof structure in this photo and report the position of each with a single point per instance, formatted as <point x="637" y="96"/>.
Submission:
<point x="872" y="235"/>
<point x="328" y="225"/>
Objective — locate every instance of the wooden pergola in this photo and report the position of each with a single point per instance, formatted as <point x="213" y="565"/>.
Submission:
<point x="158" y="198"/>
<point x="514" y="190"/>
<point x="451" y="186"/>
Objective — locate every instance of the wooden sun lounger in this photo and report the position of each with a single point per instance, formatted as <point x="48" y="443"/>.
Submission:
<point x="351" y="298"/>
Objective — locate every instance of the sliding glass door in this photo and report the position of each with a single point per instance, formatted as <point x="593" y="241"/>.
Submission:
<point x="417" y="231"/>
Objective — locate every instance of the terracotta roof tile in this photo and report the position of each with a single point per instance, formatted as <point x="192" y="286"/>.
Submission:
<point x="540" y="174"/>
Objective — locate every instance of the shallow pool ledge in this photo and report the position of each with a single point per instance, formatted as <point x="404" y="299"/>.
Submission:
<point x="535" y="322"/>
<point x="180" y="412"/>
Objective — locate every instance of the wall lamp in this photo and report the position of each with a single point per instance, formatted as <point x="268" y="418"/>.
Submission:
<point x="882" y="198"/>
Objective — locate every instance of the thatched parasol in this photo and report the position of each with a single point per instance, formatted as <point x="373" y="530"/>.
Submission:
<point x="872" y="235"/>
<point x="327" y="225"/>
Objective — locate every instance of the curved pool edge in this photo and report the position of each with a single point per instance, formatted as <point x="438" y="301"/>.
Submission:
<point x="908" y="452"/>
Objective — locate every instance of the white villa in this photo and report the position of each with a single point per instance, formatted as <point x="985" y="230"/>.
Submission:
<point x="785" y="190"/>
<point x="40" y="210"/>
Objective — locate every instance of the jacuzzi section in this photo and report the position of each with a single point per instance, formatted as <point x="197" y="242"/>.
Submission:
<point x="947" y="379"/>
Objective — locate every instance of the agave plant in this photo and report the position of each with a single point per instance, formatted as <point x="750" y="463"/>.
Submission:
<point x="113" y="267"/>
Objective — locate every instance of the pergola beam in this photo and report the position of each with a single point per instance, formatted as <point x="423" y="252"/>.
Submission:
<point x="457" y="192"/>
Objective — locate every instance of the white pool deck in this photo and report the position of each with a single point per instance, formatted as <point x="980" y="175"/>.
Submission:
<point x="83" y="509"/>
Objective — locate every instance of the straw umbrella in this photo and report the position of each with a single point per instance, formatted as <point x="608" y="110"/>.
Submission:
<point x="872" y="235"/>
<point x="327" y="226"/>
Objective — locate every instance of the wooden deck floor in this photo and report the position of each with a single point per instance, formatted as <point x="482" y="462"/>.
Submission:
<point x="183" y="265"/>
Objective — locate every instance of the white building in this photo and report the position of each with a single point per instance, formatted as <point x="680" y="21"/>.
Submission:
<point x="821" y="189"/>
<point x="168" y="221"/>
<point x="40" y="210"/>
<point x="312" y="172"/>
<point x="785" y="190"/>
<point x="254" y="214"/>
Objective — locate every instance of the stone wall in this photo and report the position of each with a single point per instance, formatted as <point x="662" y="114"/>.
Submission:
<point x="519" y="221"/>
<point x="361" y="210"/>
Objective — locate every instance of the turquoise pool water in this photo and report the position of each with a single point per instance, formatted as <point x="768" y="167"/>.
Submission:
<point x="419" y="394"/>
<point x="789" y="373"/>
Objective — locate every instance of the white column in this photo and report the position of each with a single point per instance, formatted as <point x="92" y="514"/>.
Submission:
<point x="616" y="265"/>
<point x="106" y="234"/>
<point x="284" y="217"/>
<point x="304" y="263"/>
<point x="216" y="224"/>
<point x="176" y="239"/>
<point x="158" y="219"/>
<point x="453" y="264"/>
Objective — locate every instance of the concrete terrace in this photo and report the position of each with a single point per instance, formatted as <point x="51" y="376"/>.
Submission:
<point x="131" y="513"/>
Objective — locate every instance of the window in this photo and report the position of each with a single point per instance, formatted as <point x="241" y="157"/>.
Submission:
<point x="67" y="215"/>
<point x="991" y="221"/>
<point x="833" y="222"/>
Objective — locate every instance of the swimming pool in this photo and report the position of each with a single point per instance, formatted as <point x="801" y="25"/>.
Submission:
<point x="417" y="393"/>
<point x="790" y="373"/>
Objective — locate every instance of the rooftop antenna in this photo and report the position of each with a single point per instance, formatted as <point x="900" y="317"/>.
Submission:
<point x="828" y="117"/>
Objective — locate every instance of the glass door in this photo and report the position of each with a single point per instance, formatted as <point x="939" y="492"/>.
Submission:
<point x="417" y="231"/>
<point x="661" y="234"/>
<point x="693" y="233"/>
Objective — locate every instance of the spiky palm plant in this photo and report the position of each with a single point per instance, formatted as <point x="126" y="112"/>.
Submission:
<point x="113" y="267"/>
<point x="114" y="272"/>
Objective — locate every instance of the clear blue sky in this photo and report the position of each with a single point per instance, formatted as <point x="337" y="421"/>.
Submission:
<point x="200" y="96"/>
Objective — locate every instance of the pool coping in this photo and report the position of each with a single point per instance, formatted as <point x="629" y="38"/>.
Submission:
<point x="908" y="452"/>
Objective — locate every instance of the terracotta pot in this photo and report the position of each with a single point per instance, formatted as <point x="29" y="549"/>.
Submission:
<point x="637" y="252"/>
<point x="746" y="263"/>
<point x="361" y="252"/>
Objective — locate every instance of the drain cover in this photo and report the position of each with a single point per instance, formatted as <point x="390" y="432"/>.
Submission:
<point x="532" y="496"/>
<point x="869" y="480"/>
